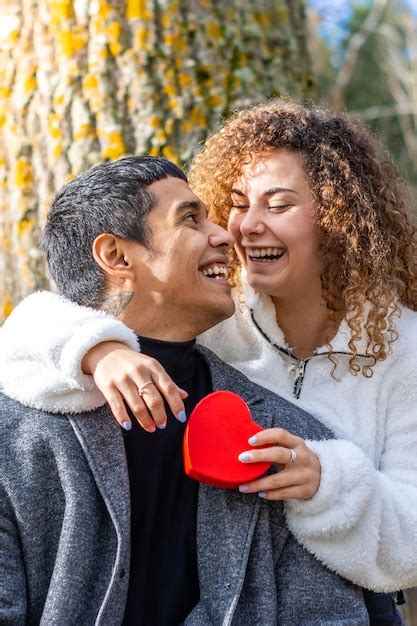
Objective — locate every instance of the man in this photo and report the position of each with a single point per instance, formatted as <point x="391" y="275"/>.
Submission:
<point x="98" y="526"/>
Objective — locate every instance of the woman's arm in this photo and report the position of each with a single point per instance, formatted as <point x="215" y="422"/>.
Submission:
<point x="47" y="339"/>
<point x="362" y="522"/>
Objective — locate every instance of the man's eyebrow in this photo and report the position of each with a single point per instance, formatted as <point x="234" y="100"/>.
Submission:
<point x="268" y="192"/>
<point x="189" y="204"/>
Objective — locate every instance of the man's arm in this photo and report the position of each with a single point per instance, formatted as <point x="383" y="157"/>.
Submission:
<point x="13" y="588"/>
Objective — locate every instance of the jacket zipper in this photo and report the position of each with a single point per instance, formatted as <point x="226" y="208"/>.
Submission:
<point x="298" y="383"/>
<point x="300" y="365"/>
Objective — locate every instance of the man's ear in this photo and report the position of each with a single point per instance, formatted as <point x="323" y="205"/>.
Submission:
<point x="111" y="254"/>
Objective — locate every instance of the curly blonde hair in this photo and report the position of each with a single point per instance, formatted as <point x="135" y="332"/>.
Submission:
<point x="368" y="237"/>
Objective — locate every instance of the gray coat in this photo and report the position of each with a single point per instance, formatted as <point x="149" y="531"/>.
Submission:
<point x="65" y="528"/>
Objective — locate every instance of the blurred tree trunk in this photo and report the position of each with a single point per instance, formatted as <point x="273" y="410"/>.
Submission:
<point x="87" y="80"/>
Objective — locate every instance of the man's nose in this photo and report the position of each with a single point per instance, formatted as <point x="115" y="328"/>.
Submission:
<point x="219" y="236"/>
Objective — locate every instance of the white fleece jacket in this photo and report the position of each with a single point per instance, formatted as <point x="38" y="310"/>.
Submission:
<point x="362" y="522"/>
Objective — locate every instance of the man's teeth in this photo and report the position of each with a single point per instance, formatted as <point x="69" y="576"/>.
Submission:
<point x="216" y="271"/>
<point x="259" y="253"/>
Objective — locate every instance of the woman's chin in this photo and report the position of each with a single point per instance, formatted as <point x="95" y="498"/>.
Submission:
<point x="262" y="284"/>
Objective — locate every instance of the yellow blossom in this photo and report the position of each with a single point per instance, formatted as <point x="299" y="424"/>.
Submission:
<point x="155" y="121"/>
<point x="137" y="9"/>
<point x="213" y="30"/>
<point x="7" y="307"/>
<point x="61" y="10"/>
<point x="141" y="38"/>
<point x="53" y="126"/>
<point x="169" y="125"/>
<point x="114" y="31"/>
<point x="115" y="147"/>
<point x="59" y="99"/>
<point x="170" y="90"/>
<point x="186" y="126"/>
<point x="197" y="117"/>
<point x="90" y="82"/>
<point x="23" y="174"/>
<point x="166" y="21"/>
<point x="104" y="9"/>
<point x="169" y="153"/>
<point x="71" y="42"/>
<point x="30" y="84"/>
<point x="265" y="19"/>
<point x="215" y="100"/>
<point x="24" y="226"/>
<point x="83" y="131"/>
<point x="184" y="79"/>
<point x="13" y="36"/>
<point x="159" y="136"/>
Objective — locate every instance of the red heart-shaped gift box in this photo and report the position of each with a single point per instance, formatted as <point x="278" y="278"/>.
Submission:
<point x="217" y="431"/>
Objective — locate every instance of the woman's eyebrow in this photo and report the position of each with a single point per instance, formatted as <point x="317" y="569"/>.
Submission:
<point x="270" y="192"/>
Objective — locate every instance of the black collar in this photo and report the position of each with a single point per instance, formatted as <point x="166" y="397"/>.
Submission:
<point x="176" y="357"/>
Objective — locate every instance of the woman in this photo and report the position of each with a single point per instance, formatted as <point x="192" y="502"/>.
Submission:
<point x="326" y="293"/>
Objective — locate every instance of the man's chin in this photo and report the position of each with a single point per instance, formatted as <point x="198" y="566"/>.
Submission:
<point x="220" y="310"/>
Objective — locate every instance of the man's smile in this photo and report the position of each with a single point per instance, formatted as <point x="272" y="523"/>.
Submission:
<point x="215" y="269"/>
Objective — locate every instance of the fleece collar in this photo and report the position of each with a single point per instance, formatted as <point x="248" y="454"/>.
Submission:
<point x="264" y="314"/>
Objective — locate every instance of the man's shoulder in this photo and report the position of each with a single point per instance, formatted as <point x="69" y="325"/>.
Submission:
<point x="24" y="429"/>
<point x="14" y="413"/>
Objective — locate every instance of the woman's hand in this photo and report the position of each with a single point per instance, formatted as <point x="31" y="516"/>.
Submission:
<point x="120" y="373"/>
<point x="299" y="471"/>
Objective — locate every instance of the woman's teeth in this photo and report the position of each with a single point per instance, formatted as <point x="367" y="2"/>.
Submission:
<point x="216" y="272"/>
<point x="267" y="254"/>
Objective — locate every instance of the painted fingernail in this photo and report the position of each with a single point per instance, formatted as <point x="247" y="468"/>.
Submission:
<point x="182" y="417"/>
<point x="252" y="440"/>
<point x="162" y="426"/>
<point x="243" y="489"/>
<point x="244" y="456"/>
<point x="127" y="425"/>
<point x="151" y="429"/>
<point x="262" y="494"/>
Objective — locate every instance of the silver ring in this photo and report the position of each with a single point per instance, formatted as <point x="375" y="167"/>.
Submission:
<point x="142" y="387"/>
<point x="294" y="457"/>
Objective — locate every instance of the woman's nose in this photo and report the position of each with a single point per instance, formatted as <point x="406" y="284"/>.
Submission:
<point x="251" y="224"/>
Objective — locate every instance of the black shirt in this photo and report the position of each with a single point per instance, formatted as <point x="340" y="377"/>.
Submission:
<point x="163" y="585"/>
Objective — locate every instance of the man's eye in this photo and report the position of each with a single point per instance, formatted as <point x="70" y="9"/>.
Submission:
<point x="240" y="207"/>
<point x="191" y="217"/>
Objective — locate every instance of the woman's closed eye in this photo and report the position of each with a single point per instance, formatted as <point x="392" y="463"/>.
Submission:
<point x="279" y="207"/>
